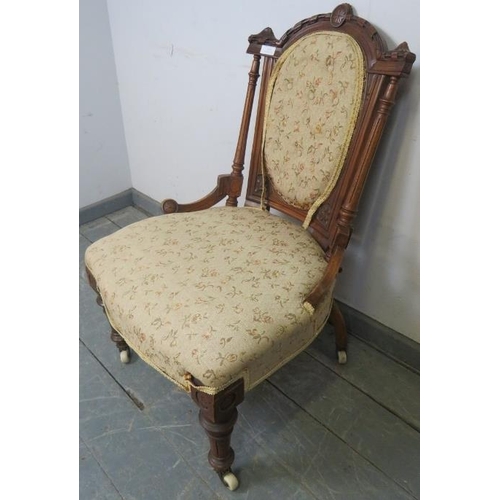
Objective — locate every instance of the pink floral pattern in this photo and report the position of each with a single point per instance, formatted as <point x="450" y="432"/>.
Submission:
<point x="218" y="293"/>
<point x="313" y="103"/>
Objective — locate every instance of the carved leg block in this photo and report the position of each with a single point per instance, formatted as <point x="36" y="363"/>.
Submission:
<point x="217" y="416"/>
<point x="337" y="320"/>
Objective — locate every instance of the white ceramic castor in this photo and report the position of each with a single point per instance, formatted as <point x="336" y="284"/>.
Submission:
<point x="342" y="357"/>
<point x="230" y="480"/>
<point x="125" y="356"/>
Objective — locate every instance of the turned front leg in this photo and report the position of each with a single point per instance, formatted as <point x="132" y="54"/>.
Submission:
<point x="221" y="455"/>
<point x="122" y="346"/>
<point x="218" y="414"/>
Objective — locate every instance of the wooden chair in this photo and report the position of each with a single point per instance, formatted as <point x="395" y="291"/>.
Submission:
<point x="217" y="299"/>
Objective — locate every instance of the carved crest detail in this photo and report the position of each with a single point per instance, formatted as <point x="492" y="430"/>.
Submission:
<point x="258" y="184"/>
<point x="324" y="213"/>
<point x="339" y="14"/>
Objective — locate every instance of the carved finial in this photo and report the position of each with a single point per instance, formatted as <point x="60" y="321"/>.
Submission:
<point x="339" y="14"/>
<point x="402" y="51"/>
<point x="266" y="36"/>
<point x="403" y="47"/>
<point x="402" y="55"/>
<point x="170" y="206"/>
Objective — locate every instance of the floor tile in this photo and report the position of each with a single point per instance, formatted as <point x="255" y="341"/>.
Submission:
<point x="374" y="432"/>
<point x="392" y="385"/>
<point x="134" y="455"/>
<point x="127" y="216"/>
<point x="98" y="228"/>
<point x="311" y="452"/>
<point x="93" y="483"/>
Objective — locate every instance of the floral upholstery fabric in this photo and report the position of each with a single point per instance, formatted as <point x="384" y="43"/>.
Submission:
<point x="217" y="294"/>
<point x="312" y="105"/>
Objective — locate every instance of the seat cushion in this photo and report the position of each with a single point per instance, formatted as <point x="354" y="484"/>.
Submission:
<point x="217" y="294"/>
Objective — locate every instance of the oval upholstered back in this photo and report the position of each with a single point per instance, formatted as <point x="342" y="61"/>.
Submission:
<point x="312" y="105"/>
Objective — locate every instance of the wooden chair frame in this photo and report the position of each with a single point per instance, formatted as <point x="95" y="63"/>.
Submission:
<point x="331" y="226"/>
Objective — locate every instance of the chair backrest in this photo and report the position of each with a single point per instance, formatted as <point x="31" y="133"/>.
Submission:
<point x="327" y="87"/>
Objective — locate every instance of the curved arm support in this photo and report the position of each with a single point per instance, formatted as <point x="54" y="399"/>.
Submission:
<point x="208" y="201"/>
<point x="227" y="185"/>
<point x="323" y="286"/>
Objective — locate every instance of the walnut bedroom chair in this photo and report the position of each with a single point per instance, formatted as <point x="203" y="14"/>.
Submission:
<point x="218" y="298"/>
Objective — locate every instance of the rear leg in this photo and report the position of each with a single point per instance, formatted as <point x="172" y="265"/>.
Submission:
<point x="337" y="320"/>
<point x="121" y="345"/>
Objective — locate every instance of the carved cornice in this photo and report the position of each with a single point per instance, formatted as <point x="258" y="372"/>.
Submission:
<point x="402" y="51"/>
<point x="301" y="25"/>
<point x="265" y="37"/>
<point x="402" y="55"/>
<point x="397" y="62"/>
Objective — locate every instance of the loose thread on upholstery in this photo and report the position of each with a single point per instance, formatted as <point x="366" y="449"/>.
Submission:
<point x="309" y="308"/>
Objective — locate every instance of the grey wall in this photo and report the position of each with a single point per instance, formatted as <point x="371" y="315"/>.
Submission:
<point x="104" y="167"/>
<point x="183" y="70"/>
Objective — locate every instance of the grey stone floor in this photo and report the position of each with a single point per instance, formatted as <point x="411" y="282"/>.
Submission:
<point x="314" y="430"/>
